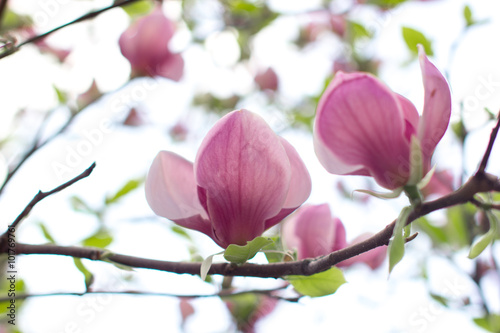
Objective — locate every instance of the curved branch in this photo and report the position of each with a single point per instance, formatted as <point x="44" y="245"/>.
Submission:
<point x="480" y="182"/>
<point x="85" y="17"/>
<point x="42" y="195"/>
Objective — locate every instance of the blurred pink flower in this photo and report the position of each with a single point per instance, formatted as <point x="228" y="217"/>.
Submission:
<point x="363" y="128"/>
<point x="248" y="309"/>
<point x="312" y="231"/>
<point x="267" y="80"/>
<point x="89" y="96"/>
<point x="145" y="45"/>
<point x="440" y="184"/>
<point x="244" y="180"/>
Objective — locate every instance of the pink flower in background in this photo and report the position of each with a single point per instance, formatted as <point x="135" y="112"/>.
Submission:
<point x="267" y="80"/>
<point x="312" y="231"/>
<point x="145" y="45"/>
<point x="440" y="184"/>
<point x="373" y="258"/>
<point x="244" y="180"/>
<point x="363" y="128"/>
<point x="248" y="309"/>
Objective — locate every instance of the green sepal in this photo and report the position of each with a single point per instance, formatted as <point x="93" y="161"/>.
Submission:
<point x="416" y="162"/>
<point x="390" y="195"/>
<point x="320" y="284"/>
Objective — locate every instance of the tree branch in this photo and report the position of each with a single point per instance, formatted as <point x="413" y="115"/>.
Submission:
<point x="87" y="16"/>
<point x="42" y="195"/>
<point x="476" y="184"/>
<point x="487" y="153"/>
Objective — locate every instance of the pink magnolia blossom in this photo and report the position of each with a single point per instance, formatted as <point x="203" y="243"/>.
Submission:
<point x="244" y="180"/>
<point x="145" y="45"/>
<point x="364" y="128"/>
<point x="441" y="183"/>
<point x="314" y="232"/>
<point x="267" y="80"/>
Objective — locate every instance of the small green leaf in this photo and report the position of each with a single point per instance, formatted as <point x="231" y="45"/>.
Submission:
<point x="468" y="16"/>
<point x="46" y="233"/>
<point x="89" y="277"/>
<point x="414" y="37"/>
<point x="62" y="97"/>
<point x="80" y="206"/>
<point x="180" y="231"/>
<point x="490" y="323"/>
<point x="100" y="239"/>
<point x="396" y="248"/>
<point x="239" y="254"/>
<point x="138" y="8"/>
<point x="128" y="187"/>
<point x="480" y="245"/>
<point x="320" y="284"/>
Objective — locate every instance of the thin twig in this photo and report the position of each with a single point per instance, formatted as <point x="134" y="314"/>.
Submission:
<point x="487" y="153"/>
<point x="42" y="195"/>
<point x="80" y="19"/>
<point x="35" y="146"/>
<point x="224" y="293"/>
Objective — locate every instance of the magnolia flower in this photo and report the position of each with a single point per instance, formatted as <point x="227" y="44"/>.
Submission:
<point x="244" y="180"/>
<point x="363" y="128"/>
<point x="267" y="80"/>
<point x="145" y="45"/>
<point x="312" y="231"/>
<point x="441" y="183"/>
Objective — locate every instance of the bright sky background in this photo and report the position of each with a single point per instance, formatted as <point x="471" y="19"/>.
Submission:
<point x="369" y="302"/>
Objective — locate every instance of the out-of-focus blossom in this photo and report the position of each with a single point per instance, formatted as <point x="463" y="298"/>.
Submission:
<point x="364" y="128"/>
<point x="248" y="309"/>
<point x="440" y="184"/>
<point x="145" y="45"/>
<point x="267" y="80"/>
<point x="88" y="97"/>
<point x="312" y="231"/>
<point x="134" y="118"/>
<point x="187" y="310"/>
<point x="244" y="180"/>
<point x="373" y="258"/>
<point x="179" y="132"/>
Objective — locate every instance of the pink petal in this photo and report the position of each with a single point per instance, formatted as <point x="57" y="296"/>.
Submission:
<point x="171" y="192"/>
<point x="360" y="128"/>
<point x="437" y="107"/>
<point x="245" y="173"/>
<point x="172" y="67"/>
<point x="411" y="117"/>
<point x="311" y="231"/>
<point x="300" y="185"/>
